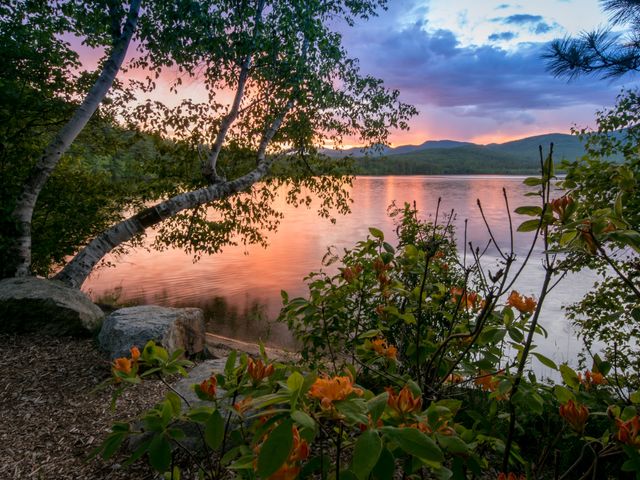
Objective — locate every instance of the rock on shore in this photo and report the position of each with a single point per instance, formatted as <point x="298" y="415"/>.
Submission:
<point x="37" y="305"/>
<point x="173" y="328"/>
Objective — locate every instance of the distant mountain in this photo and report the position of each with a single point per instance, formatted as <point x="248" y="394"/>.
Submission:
<point x="566" y="147"/>
<point x="383" y="150"/>
<point x="451" y="157"/>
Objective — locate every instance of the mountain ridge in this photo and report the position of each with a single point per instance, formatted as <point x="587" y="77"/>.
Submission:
<point x="442" y="157"/>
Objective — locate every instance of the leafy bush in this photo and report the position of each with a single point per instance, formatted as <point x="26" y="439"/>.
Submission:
<point x="413" y="362"/>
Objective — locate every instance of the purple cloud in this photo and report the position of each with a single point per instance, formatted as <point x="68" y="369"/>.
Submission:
<point x="519" y="19"/>
<point x="542" y="28"/>
<point x="502" y="36"/>
<point x="432" y="68"/>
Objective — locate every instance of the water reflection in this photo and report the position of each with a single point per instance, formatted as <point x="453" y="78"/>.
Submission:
<point x="240" y="288"/>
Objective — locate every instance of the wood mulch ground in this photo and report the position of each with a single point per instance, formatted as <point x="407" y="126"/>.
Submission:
<point x="51" y="417"/>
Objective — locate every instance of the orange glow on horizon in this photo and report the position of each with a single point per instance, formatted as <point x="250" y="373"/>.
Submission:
<point x="418" y="137"/>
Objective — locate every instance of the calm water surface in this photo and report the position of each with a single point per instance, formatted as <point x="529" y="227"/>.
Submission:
<point x="239" y="289"/>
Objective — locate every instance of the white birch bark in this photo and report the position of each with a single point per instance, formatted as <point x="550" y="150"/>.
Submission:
<point x="32" y="187"/>
<point x="210" y="169"/>
<point x="76" y="271"/>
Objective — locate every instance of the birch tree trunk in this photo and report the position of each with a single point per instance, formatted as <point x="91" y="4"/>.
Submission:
<point x="77" y="270"/>
<point x="39" y="175"/>
<point x="210" y="169"/>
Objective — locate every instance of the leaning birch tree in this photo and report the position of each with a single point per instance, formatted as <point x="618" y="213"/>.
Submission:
<point x="293" y="89"/>
<point x="121" y="24"/>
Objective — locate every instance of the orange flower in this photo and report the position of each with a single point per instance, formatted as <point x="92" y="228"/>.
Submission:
<point x="258" y="371"/>
<point x="291" y="468"/>
<point x="487" y="381"/>
<point x="300" y="450"/>
<point x="330" y="390"/>
<point x="466" y="299"/>
<point x="351" y="273"/>
<point x="135" y="353"/>
<point x="521" y="303"/>
<point x="591" y="378"/>
<point x="242" y="405"/>
<point x="443" y="428"/>
<point x="454" y="378"/>
<point x="208" y="387"/>
<point x="575" y="414"/>
<point x="123" y="365"/>
<point x="586" y="233"/>
<point x="628" y="431"/>
<point x="559" y="206"/>
<point x="404" y="402"/>
<point x="380" y="346"/>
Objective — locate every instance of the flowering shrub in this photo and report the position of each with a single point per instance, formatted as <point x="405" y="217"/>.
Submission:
<point x="413" y="363"/>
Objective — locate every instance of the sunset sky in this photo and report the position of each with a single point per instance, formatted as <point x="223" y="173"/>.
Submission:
<point x="473" y="68"/>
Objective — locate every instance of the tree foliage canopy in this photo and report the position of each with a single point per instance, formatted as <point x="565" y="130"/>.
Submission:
<point x="603" y="52"/>
<point x="277" y="85"/>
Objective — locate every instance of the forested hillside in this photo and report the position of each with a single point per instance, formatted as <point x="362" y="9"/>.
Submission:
<point x="449" y="157"/>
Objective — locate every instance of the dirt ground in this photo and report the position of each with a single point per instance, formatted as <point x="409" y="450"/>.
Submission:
<point x="51" y="417"/>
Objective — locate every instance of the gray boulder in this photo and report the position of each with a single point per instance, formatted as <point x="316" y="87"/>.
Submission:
<point x="36" y="305"/>
<point x="173" y="328"/>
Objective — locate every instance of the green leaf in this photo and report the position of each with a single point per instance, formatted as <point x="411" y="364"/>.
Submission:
<point x="635" y="397"/>
<point x="167" y="412"/>
<point x="111" y="445"/>
<point x="507" y="316"/>
<point x="415" y="443"/>
<point x="230" y="364"/>
<point x="173" y="475"/>
<point x="243" y="463"/>
<point x="369" y="334"/>
<point x="354" y="410"/>
<point x="141" y="450"/>
<point x="533" y="181"/>
<point x="529" y="226"/>
<point x="547" y="362"/>
<point x="376" y="233"/>
<point x="366" y="453"/>
<point x="529" y="210"/>
<point x="304" y="420"/>
<point x="569" y="376"/>
<point x="444" y="473"/>
<point x="453" y="444"/>
<point x="386" y="466"/>
<point x="376" y="406"/>
<point x="276" y="449"/>
<point x="617" y="209"/>
<point x="175" y="403"/>
<point x="214" y="430"/>
<point x="200" y="414"/>
<point x="516" y="334"/>
<point x="348" y="475"/>
<point x="563" y="394"/>
<point x="160" y="453"/>
<point x="295" y="381"/>
<point x="567" y="237"/>
<point x="389" y="248"/>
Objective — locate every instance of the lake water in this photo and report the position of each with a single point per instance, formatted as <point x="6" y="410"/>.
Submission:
<point x="239" y="289"/>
